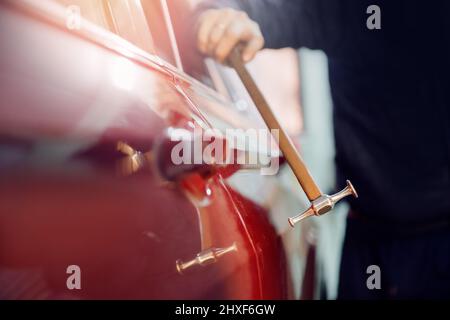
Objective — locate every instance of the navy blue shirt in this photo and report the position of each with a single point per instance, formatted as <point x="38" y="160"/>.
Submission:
<point x="391" y="95"/>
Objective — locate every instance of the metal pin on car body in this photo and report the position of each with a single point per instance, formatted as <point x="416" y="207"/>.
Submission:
<point x="205" y="258"/>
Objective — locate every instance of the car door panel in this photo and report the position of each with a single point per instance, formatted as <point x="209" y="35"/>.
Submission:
<point x="79" y="184"/>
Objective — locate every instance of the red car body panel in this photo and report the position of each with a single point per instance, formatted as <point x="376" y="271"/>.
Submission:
<point x="70" y="194"/>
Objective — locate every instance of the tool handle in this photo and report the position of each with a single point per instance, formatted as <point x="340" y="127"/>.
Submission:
<point x="285" y="144"/>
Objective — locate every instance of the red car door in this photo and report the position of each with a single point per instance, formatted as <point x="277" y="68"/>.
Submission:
<point x="83" y="178"/>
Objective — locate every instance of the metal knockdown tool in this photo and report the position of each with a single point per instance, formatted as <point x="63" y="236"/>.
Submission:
<point x="320" y="203"/>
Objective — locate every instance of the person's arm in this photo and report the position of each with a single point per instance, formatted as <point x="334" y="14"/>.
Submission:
<point x="275" y="23"/>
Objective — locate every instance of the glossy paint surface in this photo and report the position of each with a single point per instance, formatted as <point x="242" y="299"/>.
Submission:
<point x="79" y="122"/>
